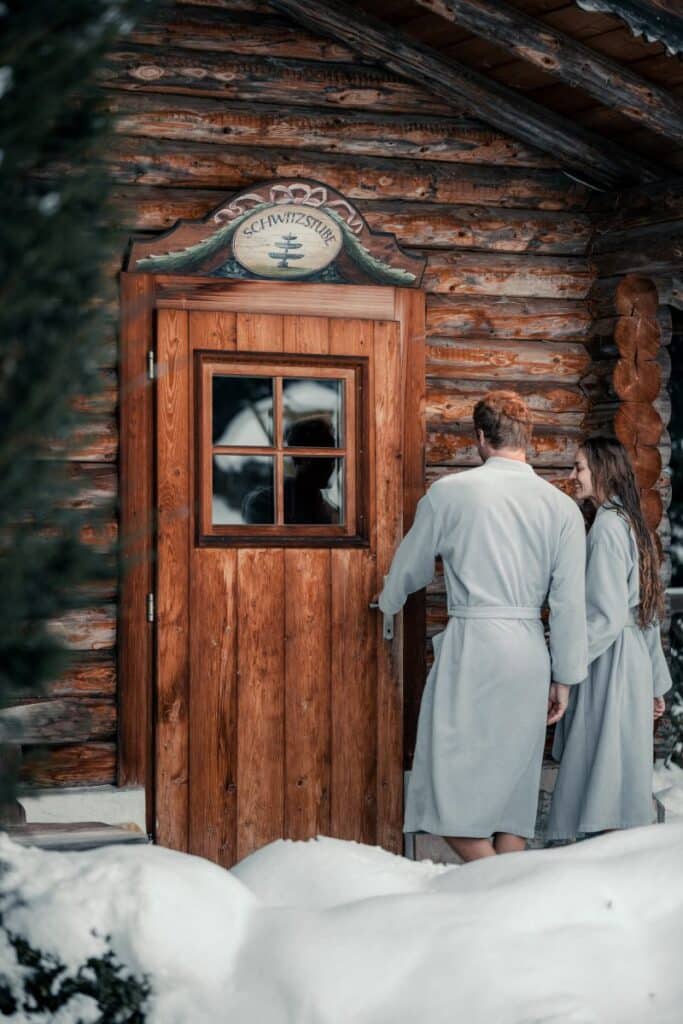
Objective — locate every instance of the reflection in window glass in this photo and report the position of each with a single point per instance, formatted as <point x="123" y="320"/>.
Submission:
<point x="242" y="410"/>
<point x="314" y="488"/>
<point x="312" y="410"/>
<point x="243" y="489"/>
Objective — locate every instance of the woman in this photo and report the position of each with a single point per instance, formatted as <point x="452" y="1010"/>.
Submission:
<point x="605" y="738"/>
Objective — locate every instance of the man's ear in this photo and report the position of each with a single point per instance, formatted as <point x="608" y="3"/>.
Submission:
<point x="480" y="437"/>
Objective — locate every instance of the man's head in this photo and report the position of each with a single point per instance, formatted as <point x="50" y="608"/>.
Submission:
<point x="502" y="422"/>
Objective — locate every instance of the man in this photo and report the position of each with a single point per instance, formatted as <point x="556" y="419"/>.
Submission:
<point x="509" y="542"/>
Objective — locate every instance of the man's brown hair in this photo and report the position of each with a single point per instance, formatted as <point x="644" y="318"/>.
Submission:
<point x="504" y="418"/>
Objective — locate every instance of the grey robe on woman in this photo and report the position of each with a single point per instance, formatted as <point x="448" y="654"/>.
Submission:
<point x="508" y="540"/>
<point x="605" y="738"/>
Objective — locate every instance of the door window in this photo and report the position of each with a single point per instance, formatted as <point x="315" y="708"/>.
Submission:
<point x="280" y="458"/>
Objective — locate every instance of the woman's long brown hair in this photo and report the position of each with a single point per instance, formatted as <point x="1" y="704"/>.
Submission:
<point x="613" y="477"/>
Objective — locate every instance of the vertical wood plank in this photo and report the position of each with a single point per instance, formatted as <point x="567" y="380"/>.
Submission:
<point x="307" y="689"/>
<point x="261" y="667"/>
<point x="353" y="799"/>
<point x="261" y="706"/>
<point x="135" y="669"/>
<point x="213" y="705"/>
<point x="410" y="310"/>
<point x="259" y="332"/>
<point x="307" y="652"/>
<point x="306" y="334"/>
<point x="389" y="513"/>
<point x="213" y="662"/>
<point x="353" y="807"/>
<point x="173" y="503"/>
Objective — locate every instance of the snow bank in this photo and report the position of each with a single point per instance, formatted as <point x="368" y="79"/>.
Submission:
<point x="330" y="932"/>
<point x="328" y="872"/>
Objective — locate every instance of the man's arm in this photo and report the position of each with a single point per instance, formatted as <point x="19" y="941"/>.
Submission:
<point x="413" y="564"/>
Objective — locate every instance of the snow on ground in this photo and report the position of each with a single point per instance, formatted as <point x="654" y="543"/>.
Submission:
<point x="331" y="932"/>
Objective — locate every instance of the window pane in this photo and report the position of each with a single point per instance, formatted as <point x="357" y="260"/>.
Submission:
<point x="314" y="490"/>
<point x="243" y="489"/>
<point x="242" y="410"/>
<point x="312" y="411"/>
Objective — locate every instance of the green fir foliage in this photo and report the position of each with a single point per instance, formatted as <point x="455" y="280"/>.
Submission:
<point x="53" y="196"/>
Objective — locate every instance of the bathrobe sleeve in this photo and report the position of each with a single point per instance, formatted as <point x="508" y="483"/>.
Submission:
<point x="607" y="570"/>
<point x="661" y="676"/>
<point x="413" y="564"/>
<point x="566" y="601"/>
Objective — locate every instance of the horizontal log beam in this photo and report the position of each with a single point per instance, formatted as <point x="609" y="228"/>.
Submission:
<point x="229" y="168"/>
<point x="87" y="629"/>
<point x="255" y="80"/>
<point x="87" y="679"/>
<point x="507" y="362"/>
<point x="460" y="449"/>
<point x="586" y="154"/>
<point x="451" y="402"/>
<point x="566" y="58"/>
<point x="77" y="764"/>
<point x="224" y="31"/>
<point x="485" y="228"/>
<point x="95" y="441"/>
<point x="408" y="136"/>
<point x="638" y="206"/>
<point x="60" y="720"/>
<point x="657" y="249"/>
<point x="508" y="319"/>
<point x="482" y="228"/>
<point x="518" y="275"/>
<point x="93" y="486"/>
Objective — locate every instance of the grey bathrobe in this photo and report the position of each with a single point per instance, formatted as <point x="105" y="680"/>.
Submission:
<point x="605" y="738"/>
<point x="508" y="540"/>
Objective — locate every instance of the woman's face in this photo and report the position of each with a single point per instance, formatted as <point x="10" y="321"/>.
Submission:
<point x="581" y="475"/>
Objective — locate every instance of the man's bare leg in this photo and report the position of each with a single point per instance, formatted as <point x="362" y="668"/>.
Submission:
<point x="470" y="849"/>
<point x="505" y="842"/>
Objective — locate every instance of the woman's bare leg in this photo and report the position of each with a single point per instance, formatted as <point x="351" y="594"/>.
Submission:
<point x="471" y="849"/>
<point x="505" y="842"/>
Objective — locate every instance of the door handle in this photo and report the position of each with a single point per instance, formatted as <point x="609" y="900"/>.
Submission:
<point x="388" y="624"/>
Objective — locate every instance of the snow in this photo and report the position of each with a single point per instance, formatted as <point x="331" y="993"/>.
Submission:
<point x="332" y="932"/>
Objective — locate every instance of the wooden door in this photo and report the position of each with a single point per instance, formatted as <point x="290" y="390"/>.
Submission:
<point x="278" y="702"/>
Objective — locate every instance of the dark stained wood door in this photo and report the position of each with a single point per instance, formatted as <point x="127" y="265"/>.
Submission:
<point x="278" y="702"/>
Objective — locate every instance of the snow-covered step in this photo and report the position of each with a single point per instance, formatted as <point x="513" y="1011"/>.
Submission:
<point x="84" y="835"/>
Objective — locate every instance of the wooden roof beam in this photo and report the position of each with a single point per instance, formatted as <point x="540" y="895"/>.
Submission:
<point x="588" y="156"/>
<point x="567" y="59"/>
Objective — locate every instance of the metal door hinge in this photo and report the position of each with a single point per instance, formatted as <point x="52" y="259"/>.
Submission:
<point x="150" y="364"/>
<point x="150" y="607"/>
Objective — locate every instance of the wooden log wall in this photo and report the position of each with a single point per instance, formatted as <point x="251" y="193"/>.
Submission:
<point x="216" y="95"/>
<point x="637" y="250"/>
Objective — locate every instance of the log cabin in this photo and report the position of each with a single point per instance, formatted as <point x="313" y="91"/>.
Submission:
<point x="486" y="194"/>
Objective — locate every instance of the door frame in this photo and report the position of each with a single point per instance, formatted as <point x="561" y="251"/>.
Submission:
<point x="141" y="295"/>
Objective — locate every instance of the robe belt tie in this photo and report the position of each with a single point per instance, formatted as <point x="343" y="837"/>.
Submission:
<point x="493" y="611"/>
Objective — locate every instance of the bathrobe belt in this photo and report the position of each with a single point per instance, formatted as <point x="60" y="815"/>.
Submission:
<point x="492" y="611"/>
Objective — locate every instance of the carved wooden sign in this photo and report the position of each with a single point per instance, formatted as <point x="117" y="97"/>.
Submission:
<point x="285" y="230"/>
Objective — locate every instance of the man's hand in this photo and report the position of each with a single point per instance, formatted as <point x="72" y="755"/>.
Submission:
<point x="658" y="707"/>
<point x="558" y="698"/>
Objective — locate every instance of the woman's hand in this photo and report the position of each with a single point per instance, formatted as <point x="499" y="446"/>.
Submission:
<point x="658" y="707"/>
<point x="558" y="699"/>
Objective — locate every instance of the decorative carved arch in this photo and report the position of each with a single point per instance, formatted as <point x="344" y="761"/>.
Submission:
<point x="289" y="229"/>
